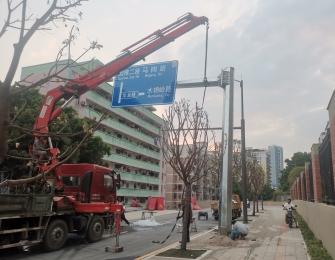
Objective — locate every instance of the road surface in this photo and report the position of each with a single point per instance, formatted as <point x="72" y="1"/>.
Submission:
<point x="137" y="241"/>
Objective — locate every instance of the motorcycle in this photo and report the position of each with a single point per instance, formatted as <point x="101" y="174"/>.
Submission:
<point x="289" y="218"/>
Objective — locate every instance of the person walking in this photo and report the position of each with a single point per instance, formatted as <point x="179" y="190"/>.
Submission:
<point x="123" y="216"/>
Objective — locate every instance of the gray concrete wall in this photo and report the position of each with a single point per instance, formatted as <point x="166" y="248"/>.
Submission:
<point x="321" y="220"/>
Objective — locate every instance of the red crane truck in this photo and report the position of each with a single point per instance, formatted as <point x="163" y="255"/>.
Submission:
<point x="74" y="198"/>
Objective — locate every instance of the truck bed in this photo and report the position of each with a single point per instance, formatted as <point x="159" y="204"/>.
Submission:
<point x="12" y="205"/>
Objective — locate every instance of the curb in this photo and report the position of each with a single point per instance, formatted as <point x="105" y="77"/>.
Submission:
<point x="156" y="252"/>
<point x="205" y="254"/>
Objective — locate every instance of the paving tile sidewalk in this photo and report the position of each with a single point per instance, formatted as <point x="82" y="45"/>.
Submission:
<point x="269" y="238"/>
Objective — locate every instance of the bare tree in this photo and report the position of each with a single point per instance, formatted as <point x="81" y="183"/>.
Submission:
<point x="18" y="18"/>
<point x="256" y="180"/>
<point x="237" y="163"/>
<point x="185" y="148"/>
<point x="213" y="168"/>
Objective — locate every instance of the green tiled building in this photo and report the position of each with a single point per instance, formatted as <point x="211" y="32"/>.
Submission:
<point x="132" y="133"/>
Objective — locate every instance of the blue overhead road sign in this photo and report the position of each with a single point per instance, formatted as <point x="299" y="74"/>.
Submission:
<point x="150" y="84"/>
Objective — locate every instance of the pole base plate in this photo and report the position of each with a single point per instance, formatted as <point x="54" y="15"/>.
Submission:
<point x="114" y="249"/>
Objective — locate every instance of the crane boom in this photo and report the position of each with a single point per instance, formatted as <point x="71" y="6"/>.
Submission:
<point x="129" y="56"/>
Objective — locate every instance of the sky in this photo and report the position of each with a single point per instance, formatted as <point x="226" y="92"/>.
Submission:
<point x="283" y="50"/>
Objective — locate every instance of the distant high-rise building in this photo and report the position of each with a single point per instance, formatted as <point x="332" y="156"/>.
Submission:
<point x="276" y="164"/>
<point x="261" y="155"/>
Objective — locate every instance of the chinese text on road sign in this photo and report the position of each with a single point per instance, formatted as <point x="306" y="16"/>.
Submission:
<point x="149" y="84"/>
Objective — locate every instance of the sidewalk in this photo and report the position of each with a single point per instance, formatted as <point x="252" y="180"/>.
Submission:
<point x="269" y="238"/>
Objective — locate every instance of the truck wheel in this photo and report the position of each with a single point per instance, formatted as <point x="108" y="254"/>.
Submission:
<point x="56" y="235"/>
<point x="95" y="229"/>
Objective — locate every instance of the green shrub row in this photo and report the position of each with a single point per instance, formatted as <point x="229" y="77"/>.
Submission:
<point x="314" y="246"/>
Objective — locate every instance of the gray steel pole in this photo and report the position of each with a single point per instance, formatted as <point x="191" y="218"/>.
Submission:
<point x="222" y="190"/>
<point x="227" y="160"/>
<point x="243" y="159"/>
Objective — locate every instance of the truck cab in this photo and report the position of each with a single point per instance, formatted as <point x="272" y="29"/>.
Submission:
<point x="87" y="182"/>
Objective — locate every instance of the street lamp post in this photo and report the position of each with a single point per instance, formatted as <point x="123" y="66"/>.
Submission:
<point x="243" y="159"/>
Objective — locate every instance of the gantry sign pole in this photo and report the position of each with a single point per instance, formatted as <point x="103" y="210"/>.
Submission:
<point x="227" y="157"/>
<point x="226" y="78"/>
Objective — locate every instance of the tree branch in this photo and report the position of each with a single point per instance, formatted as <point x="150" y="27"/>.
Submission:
<point x="41" y="175"/>
<point x="47" y="17"/>
<point x="8" y="21"/>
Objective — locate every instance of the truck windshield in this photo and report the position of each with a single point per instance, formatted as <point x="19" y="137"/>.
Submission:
<point x="108" y="182"/>
<point x="71" y="181"/>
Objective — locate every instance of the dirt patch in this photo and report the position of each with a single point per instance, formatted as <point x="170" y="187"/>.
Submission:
<point x="224" y="241"/>
<point x="191" y="254"/>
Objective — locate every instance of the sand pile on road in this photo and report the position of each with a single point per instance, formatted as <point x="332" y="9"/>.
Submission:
<point x="146" y="223"/>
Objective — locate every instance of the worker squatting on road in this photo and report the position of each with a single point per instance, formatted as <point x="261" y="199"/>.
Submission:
<point x="239" y="230"/>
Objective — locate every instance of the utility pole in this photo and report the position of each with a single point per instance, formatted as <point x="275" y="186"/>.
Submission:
<point x="227" y="159"/>
<point x="243" y="159"/>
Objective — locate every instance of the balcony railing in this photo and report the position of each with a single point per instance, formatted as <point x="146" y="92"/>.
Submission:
<point x="136" y="192"/>
<point x="116" y="125"/>
<point x="149" y="114"/>
<point x="113" y="140"/>
<point x="116" y="158"/>
<point x="101" y="101"/>
<point x="128" y="176"/>
<point x="107" y="87"/>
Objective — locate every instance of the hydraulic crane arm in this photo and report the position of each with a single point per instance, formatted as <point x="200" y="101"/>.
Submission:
<point x="129" y="56"/>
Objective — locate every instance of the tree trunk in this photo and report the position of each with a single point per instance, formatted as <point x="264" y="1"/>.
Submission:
<point x="257" y="204"/>
<point x="4" y="120"/>
<point x="187" y="217"/>
<point x="254" y="206"/>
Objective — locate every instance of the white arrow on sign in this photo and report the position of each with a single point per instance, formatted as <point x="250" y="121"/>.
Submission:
<point x="120" y="92"/>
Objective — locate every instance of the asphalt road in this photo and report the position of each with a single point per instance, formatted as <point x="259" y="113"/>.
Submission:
<point x="137" y="241"/>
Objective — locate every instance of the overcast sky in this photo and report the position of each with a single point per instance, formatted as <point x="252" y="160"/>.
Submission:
<point x="284" y="50"/>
